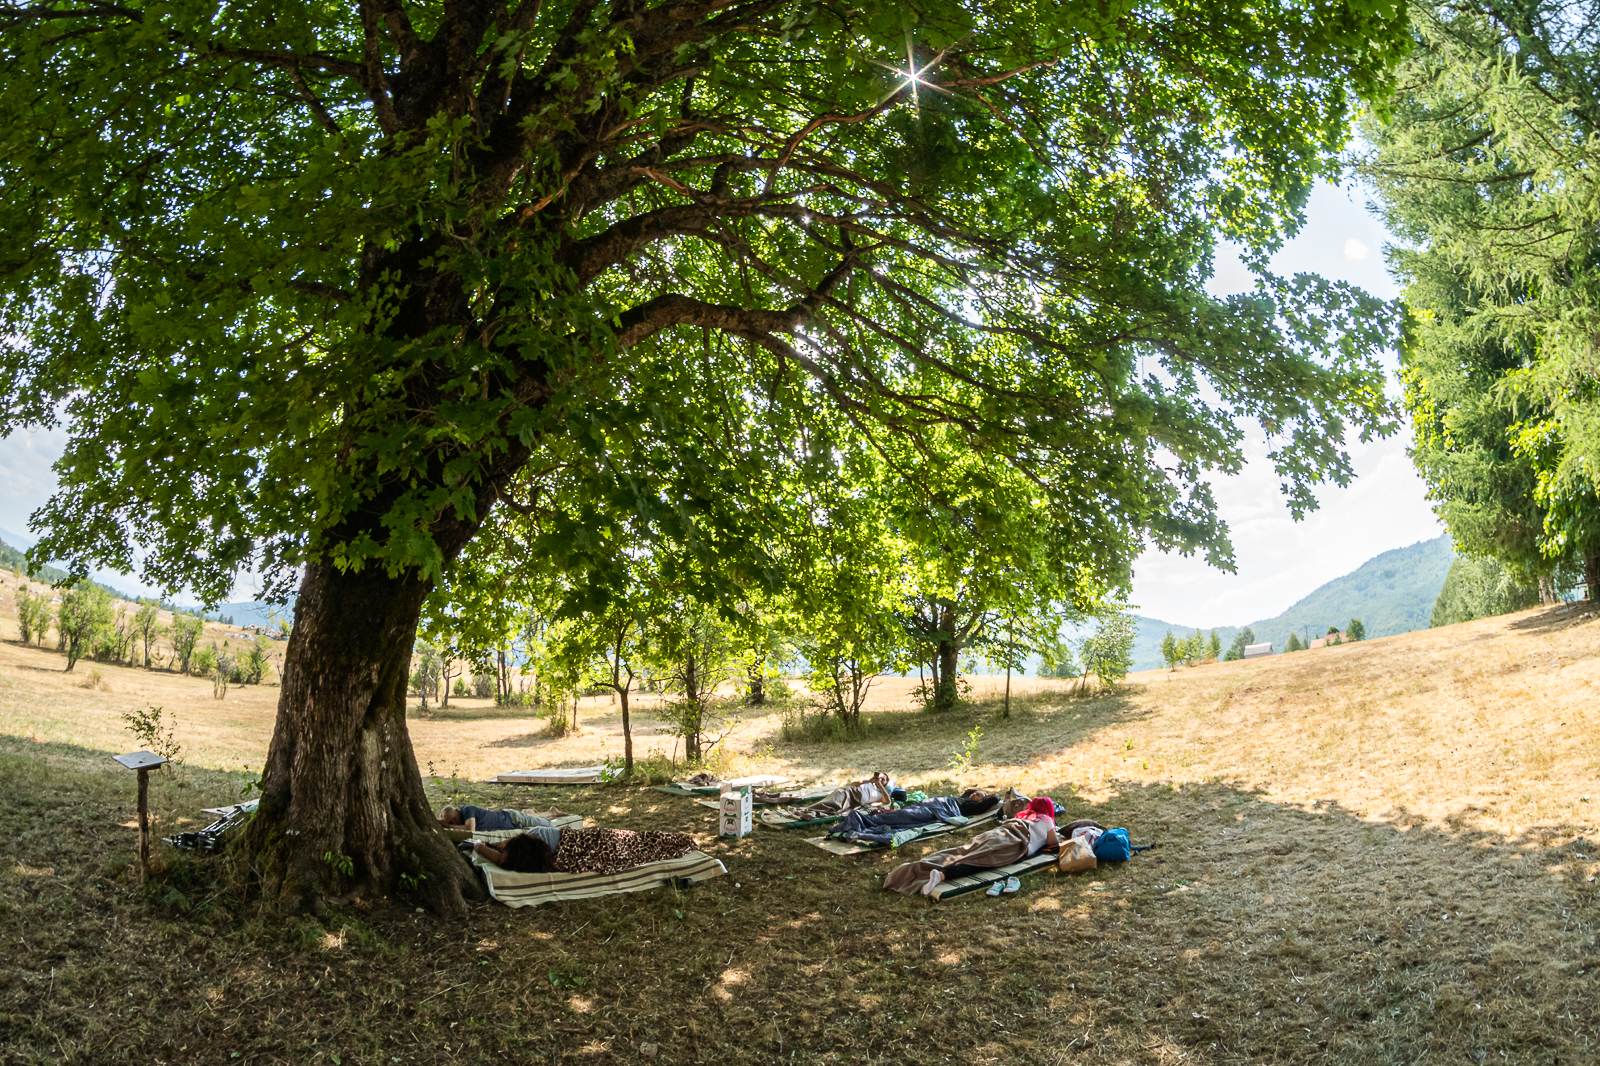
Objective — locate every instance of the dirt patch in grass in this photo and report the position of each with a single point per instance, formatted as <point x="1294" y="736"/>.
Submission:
<point x="1374" y="853"/>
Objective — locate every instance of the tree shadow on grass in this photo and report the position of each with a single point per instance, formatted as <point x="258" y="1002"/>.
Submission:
<point x="919" y="742"/>
<point x="1553" y="619"/>
<point x="453" y="713"/>
<point x="1258" y="931"/>
<point x="527" y="740"/>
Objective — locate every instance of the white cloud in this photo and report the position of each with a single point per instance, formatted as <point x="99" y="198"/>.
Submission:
<point x="1356" y="250"/>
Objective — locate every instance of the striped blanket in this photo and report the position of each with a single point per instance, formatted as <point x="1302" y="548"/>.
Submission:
<point x="530" y="890"/>
<point x="803" y="795"/>
<point x="689" y="788"/>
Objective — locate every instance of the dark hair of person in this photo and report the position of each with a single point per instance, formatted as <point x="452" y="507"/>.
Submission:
<point x="970" y="807"/>
<point x="529" y="855"/>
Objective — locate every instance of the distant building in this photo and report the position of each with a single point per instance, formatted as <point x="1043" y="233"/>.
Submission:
<point x="1321" y="642"/>
<point x="1252" y="650"/>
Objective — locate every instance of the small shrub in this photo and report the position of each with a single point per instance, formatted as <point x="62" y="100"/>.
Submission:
<point x="252" y="668"/>
<point x="151" y="729"/>
<point x="815" y="723"/>
<point x="923" y="695"/>
<point x="95" y="679"/>
<point x="654" y="769"/>
<point x="965" y="755"/>
<point x="222" y="670"/>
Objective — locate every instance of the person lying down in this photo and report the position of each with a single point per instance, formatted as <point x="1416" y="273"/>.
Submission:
<point x="546" y="849"/>
<point x="880" y="827"/>
<point x="475" y="819"/>
<point x="875" y="791"/>
<point x="1032" y="830"/>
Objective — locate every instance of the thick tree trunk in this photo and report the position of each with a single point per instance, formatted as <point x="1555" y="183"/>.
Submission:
<point x="691" y="712"/>
<point x="342" y="807"/>
<point x="1591" y="577"/>
<point x="627" y="731"/>
<point x="758" y="682"/>
<point x="944" y="693"/>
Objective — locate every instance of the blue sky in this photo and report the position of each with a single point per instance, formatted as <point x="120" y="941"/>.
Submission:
<point x="1279" y="560"/>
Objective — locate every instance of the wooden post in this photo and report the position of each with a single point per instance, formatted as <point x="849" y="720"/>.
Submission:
<point x="142" y="762"/>
<point x="144" y="825"/>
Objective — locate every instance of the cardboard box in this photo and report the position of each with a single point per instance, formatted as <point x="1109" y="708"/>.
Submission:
<point x="736" y="818"/>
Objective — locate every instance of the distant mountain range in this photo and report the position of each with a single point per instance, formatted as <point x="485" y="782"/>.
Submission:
<point x="1391" y="593"/>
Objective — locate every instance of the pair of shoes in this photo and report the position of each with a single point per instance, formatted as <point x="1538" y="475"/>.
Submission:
<point x="1012" y="886"/>
<point x="995" y="889"/>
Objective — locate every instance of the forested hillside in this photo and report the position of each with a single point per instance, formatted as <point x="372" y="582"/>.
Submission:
<point x="1391" y="593"/>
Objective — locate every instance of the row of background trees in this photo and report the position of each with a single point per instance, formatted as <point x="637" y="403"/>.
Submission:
<point x="90" y="622"/>
<point x="1197" y="648"/>
<point x="861" y="601"/>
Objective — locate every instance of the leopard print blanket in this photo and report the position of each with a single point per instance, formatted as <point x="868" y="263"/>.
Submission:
<point x="608" y="851"/>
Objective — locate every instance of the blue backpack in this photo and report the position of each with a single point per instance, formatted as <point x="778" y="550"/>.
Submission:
<point x="1113" y="846"/>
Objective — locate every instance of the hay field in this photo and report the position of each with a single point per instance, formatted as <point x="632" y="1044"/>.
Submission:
<point x="1376" y="853"/>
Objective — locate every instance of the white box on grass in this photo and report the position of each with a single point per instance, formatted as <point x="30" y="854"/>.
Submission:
<point x="736" y="817"/>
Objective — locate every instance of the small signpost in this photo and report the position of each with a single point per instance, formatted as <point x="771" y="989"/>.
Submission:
<point x="143" y="762"/>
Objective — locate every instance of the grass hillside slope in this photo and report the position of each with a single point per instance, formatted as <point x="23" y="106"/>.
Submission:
<point x="1380" y="853"/>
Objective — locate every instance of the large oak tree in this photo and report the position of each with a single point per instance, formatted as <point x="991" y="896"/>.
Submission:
<point x="317" y="287"/>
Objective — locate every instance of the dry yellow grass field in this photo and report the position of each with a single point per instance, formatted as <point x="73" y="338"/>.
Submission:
<point x="1376" y="853"/>
<point x="1494" y="723"/>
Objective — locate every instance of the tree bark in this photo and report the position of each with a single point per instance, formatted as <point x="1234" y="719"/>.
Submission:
<point x="1591" y="576"/>
<point x="944" y="693"/>
<point x="627" y="732"/>
<point x="691" y="716"/>
<point x="758" y="682"/>
<point x="342" y="807"/>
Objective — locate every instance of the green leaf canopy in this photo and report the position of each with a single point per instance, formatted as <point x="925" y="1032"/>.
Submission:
<point x="1484" y="169"/>
<point x="318" y="281"/>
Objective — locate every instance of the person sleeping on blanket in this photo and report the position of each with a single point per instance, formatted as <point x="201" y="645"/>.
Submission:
<point x="475" y="819"/>
<point x="1032" y="830"/>
<point x="881" y="827"/>
<point x="546" y="849"/>
<point x="874" y="791"/>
